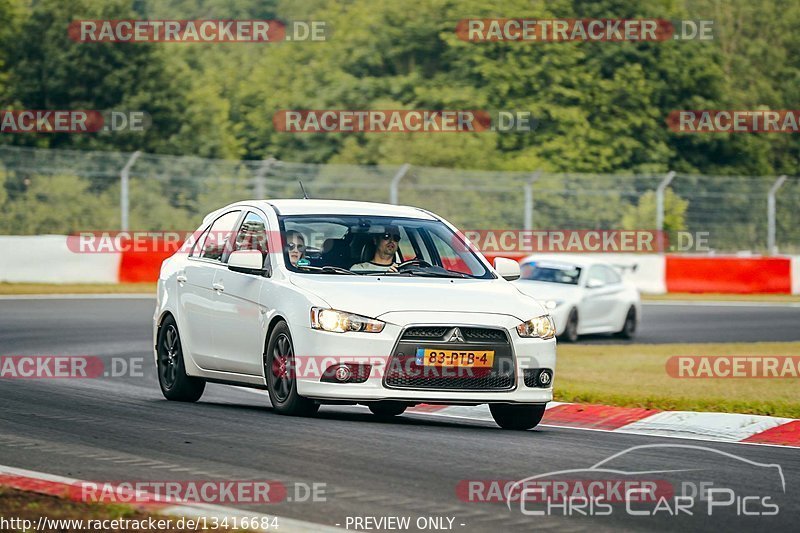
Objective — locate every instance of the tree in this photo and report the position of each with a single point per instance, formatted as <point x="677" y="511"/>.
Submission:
<point x="643" y="215"/>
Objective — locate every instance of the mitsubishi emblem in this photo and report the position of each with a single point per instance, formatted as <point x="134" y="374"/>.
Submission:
<point x="455" y="336"/>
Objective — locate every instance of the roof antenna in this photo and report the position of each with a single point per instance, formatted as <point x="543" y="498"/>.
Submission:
<point x="305" y="196"/>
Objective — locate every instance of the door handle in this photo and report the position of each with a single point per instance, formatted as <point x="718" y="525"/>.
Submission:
<point x="218" y="287"/>
<point x="181" y="278"/>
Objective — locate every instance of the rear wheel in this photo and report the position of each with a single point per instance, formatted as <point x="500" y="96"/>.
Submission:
<point x="281" y="375"/>
<point x="387" y="409"/>
<point x="571" y="329"/>
<point x="175" y="384"/>
<point x="517" y="416"/>
<point x="629" y="328"/>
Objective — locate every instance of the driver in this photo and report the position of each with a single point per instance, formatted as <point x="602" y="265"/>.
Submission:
<point x="386" y="244"/>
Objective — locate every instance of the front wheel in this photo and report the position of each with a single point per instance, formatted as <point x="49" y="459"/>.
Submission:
<point x="387" y="409"/>
<point x="175" y="383"/>
<point x="281" y="375"/>
<point x="629" y="328"/>
<point x="570" y="333"/>
<point x="517" y="416"/>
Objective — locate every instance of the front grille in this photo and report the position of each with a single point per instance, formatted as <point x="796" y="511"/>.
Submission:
<point x="440" y="332"/>
<point x="403" y="372"/>
<point x="484" y="334"/>
<point x="425" y="332"/>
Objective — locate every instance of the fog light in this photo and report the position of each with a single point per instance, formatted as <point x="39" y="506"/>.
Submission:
<point x="538" y="377"/>
<point x="346" y="373"/>
<point x="343" y="374"/>
<point x="545" y="378"/>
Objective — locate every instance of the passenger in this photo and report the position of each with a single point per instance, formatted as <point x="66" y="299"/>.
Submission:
<point x="295" y="246"/>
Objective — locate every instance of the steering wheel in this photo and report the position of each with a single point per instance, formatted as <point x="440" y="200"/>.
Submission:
<point x="411" y="262"/>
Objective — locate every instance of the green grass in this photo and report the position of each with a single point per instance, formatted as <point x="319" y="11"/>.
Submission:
<point x="635" y="376"/>
<point x="76" y="288"/>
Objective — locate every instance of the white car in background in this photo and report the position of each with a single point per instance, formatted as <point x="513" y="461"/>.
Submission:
<point x="583" y="295"/>
<point x="284" y="295"/>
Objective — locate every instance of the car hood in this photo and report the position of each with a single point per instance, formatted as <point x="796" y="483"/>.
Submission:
<point x="374" y="296"/>
<point x="544" y="290"/>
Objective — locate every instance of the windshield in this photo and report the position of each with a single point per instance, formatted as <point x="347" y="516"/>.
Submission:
<point x="371" y="245"/>
<point x="551" y="272"/>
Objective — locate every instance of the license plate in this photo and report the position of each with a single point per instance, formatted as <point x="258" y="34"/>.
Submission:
<point x="459" y="358"/>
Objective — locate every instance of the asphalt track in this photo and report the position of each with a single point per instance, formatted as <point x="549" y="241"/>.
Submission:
<point x="114" y="429"/>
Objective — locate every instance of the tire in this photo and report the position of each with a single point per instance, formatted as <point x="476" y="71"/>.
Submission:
<point x="629" y="327"/>
<point x="387" y="409"/>
<point x="175" y="384"/>
<point x="571" y="329"/>
<point x="280" y="375"/>
<point x="518" y="417"/>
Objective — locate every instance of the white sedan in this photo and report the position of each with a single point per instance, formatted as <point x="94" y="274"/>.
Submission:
<point x="322" y="301"/>
<point x="584" y="296"/>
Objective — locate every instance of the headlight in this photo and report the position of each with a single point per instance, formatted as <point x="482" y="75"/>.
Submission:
<point x="341" y="322"/>
<point x="552" y="304"/>
<point x="541" y="326"/>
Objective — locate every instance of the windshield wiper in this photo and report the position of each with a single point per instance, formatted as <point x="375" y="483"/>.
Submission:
<point x="328" y="269"/>
<point x="439" y="272"/>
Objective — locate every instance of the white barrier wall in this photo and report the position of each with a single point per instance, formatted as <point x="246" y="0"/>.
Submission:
<point x="796" y="274"/>
<point x="47" y="259"/>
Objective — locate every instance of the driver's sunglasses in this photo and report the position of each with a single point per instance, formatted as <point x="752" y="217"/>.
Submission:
<point x="394" y="236"/>
<point x="292" y="246"/>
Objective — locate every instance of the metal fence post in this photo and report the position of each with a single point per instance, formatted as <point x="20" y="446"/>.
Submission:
<point x="394" y="187"/>
<point x="124" y="186"/>
<point x="528" y="225"/>
<point x="259" y="187"/>
<point x="772" y="249"/>
<point x="660" y="208"/>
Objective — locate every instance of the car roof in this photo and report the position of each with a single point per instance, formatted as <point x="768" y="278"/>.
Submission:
<point x="566" y="258"/>
<point x="336" y="207"/>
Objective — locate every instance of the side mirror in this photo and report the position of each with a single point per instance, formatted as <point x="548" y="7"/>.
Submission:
<point x="594" y="284"/>
<point x="507" y="268"/>
<point x="247" y="262"/>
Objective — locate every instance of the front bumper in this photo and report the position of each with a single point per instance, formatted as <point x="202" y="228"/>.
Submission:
<point x="376" y="349"/>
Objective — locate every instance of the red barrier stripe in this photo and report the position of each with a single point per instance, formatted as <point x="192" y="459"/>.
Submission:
<point x="40" y="486"/>
<point x="67" y="491"/>
<point x="594" y="416"/>
<point x="787" y="434"/>
<point x="736" y="275"/>
<point x="136" y="267"/>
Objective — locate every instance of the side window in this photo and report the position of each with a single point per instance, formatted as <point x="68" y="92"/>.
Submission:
<point x="595" y="274"/>
<point x="611" y="275"/>
<point x="252" y="235"/>
<point x="219" y="236"/>
<point x="198" y="245"/>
